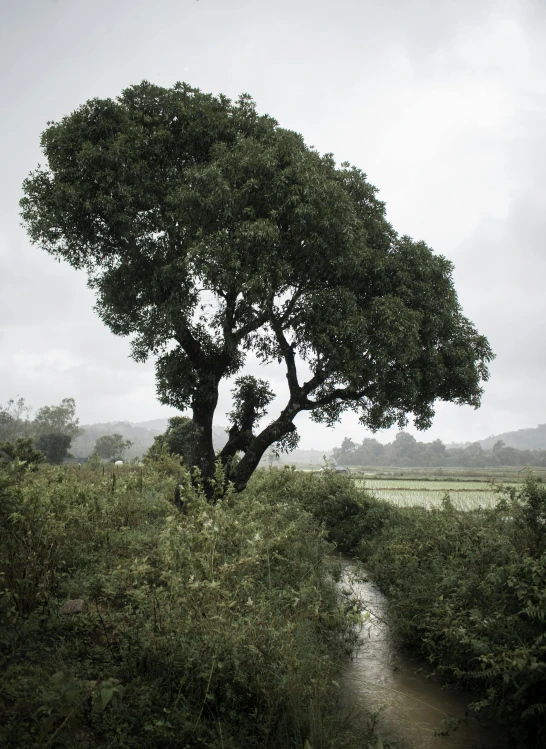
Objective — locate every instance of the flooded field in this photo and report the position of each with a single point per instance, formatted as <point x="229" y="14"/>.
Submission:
<point x="468" y="489"/>
<point x="465" y="494"/>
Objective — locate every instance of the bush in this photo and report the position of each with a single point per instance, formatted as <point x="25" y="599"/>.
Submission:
<point x="219" y="628"/>
<point x="347" y="513"/>
<point x="22" y="451"/>
<point x="468" y="591"/>
<point x="54" y="445"/>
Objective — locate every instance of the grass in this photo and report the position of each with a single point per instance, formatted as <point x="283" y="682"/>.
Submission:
<point x="466" y="495"/>
<point x="466" y="589"/>
<point x="218" y="628"/>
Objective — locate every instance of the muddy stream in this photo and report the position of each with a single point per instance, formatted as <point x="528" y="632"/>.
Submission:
<point x="414" y="712"/>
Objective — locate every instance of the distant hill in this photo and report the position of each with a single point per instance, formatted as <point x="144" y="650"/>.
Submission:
<point x="141" y="435"/>
<point x="533" y="438"/>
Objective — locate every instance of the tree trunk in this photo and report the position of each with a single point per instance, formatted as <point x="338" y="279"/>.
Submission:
<point x="202" y="450"/>
<point x="282" y="426"/>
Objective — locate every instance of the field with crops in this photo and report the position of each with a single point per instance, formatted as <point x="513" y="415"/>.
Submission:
<point x="468" y="490"/>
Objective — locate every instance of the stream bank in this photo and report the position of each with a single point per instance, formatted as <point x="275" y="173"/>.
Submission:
<point x="413" y="711"/>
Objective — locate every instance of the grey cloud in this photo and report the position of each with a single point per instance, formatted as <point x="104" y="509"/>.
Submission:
<point x="442" y="104"/>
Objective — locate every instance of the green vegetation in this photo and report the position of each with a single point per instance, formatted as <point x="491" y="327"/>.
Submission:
<point x="406" y="451"/>
<point x="22" y="451"/>
<point x="218" y="628"/>
<point x="174" y="201"/>
<point x="54" y="446"/>
<point x="52" y="429"/>
<point x="176" y="440"/>
<point x="221" y="626"/>
<point x="111" y="446"/>
<point x="467" y="590"/>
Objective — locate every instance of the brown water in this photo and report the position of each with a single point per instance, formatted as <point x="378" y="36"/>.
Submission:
<point x="412" y="708"/>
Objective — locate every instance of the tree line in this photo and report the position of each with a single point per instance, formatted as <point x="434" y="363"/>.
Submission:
<point x="406" y="451"/>
<point x="49" y="435"/>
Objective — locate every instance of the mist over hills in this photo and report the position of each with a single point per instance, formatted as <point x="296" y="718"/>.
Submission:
<point x="532" y="438"/>
<point x="142" y="436"/>
<point x="528" y="438"/>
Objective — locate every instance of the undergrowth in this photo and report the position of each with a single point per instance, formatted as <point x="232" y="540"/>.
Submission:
<point x="467" y="590"/>
<point x="215" y="627"/>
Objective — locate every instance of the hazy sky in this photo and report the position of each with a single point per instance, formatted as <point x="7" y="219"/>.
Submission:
<point x="442" y="104"/>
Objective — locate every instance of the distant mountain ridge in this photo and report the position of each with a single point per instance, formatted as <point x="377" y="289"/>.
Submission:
<point x="140" y="433"/>
<point x="532" y="438"/>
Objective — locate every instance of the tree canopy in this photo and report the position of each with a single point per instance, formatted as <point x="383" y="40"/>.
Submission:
<point x="54" y="445"/>
<point x="209" y="232"/>
<point x="111" y="446"/>
<point x="52" y="429"/>
<point x="177" y="440"/>
<point x="405" y="450"/>
<point x="59" y="419"/>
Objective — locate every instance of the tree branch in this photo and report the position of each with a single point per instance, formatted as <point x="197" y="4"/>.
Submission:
<point x="291" y="304"/>
<point x="345" y="394"/>
<point x="290" y="359"/>
<point x="250" y="326"/>
<point x="193" y="348"/>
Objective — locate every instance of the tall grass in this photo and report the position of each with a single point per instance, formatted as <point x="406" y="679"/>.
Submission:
<point x="216" y="628"/>
<point x="466" y="589"/>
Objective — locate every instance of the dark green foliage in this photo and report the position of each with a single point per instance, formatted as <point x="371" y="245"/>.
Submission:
<point x="23" y="450"/>
<point x="111" y="446"/>
<point x="54" y="445"/>
<point x="176" y="440"/>
<point x="220" y="628"/>
<point x="172" y="199"/>
<point x="466" y="589"/>
<point x="347" y="513"/>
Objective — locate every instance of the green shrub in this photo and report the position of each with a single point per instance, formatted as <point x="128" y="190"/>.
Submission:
<point x="347" y="513"/>
<point x="468" y="591"/>
<point x="22" y="451"/>
<point x="216" y="628"/>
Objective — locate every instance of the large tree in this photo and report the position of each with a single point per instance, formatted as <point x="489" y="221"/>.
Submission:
<point x="209" y="232"/>
<point x="59" y="419"/>
<point x="111" y="446"/>
<point x="54" y="445"/>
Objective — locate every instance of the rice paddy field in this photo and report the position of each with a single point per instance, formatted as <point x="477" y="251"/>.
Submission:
<point x="468" y="489"/>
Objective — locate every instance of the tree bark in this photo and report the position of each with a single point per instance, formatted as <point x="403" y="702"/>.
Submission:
<point x="202" y="449"/>
<point x="275" y="431"/>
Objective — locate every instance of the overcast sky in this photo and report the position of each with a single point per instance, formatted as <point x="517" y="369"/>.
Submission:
<point x="442" y="104"/>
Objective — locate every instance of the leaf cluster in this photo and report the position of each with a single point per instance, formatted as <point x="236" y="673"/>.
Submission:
<point x="208" y="232"/>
